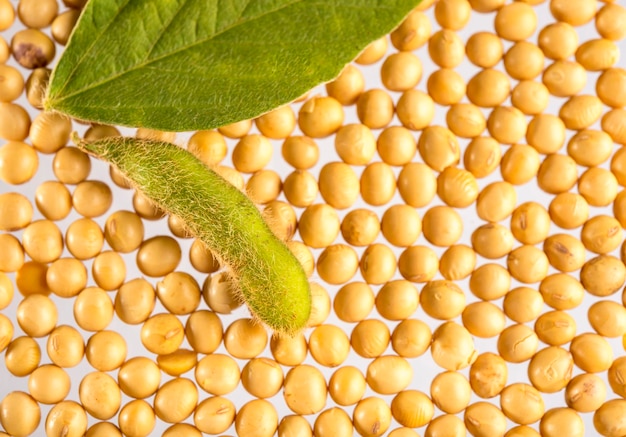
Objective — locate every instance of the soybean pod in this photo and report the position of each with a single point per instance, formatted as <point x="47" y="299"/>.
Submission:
<point x="268" y="276"/>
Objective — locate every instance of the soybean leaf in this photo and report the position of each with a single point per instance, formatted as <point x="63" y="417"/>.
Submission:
<point x="181" y="65"/>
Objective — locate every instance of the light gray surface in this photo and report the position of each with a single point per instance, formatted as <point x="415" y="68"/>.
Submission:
<point x="424" y="367"/>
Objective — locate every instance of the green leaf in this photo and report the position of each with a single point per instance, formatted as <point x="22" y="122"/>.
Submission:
<point x="181" y="65"/>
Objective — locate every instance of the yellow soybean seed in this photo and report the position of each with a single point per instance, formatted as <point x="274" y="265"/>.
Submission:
<point x="415" y="109"/>
<point x="353" y="302"/>
<point x="12" y="84"/>
<point x="558" y="420"/>
<point x="182" y="430"/>
<point x="482" y="156"/>
<point x="555" y="328"/>
<point x="610" y="87"/>
<point x="530" y="97"/>
<point x="264" y="186"/>
<point x="373" y="52"/>
<point x="507" y="124"/>
<point x="158" y="256"/>
<point x="601" y="234"/>
<point x="417" y="174"/>
<point x="442" y="226"/>
<point x="162" y="333"/>
<point x="550" y="369"/>
<point x="304" y="390"/>
<point x="489" y="88"/>
<point x="262" y="377"/>
<point x="527" y="264"/>
<point x="53" y="200"/>
<point x="42" y="241"/>
<point x="580" y="112"/>
<point x="336" y="174"/>
<point x="22" y="356"/>
<point x="16" y="211"/>
<point x="139" y="377"/>
<point x="609" y="21"/>
<point x="569" y="210"/>
<point x="375" y="108"/>
<point x="483" y="319"/>
<point x="396" y="145"/>
<point x="613" y="124"/>
<point x="412" y="408"/>
<point x="63" y="24"/>
<point x="558" y="40"/>
<point x="217" y="374"/>
<point x="401" y="225"/>
<point x="401" y="71"/>
<point x="5" y="50"/>
<point x="519" y="164"/>
<point x="490" y="281"/>
<point x="347" y="385"/>
<point x="320" y="117"/>
<point x="71" y="165"/>
<point x="108" y="270"/>
<point x="12" y="257"/>
<point x="100" y="395"/>
<point x="590" y="147"/>
<point x="413" y="32"/>
<point x="438" y="147"/>
<point x="106" y="350"/>
<point x="20" y="414"/>
<point x="446" y="87"/>
<point x="49" y="384"/>
<point x="561" y="291"/>
<point x="496" y="201"/>
<point x="179" y="293"/>
<point x="65" y="346"/>
<point x="446" y="48"/>
<point x="50" y="131"/>
<point x="488" y="375"/>
<point x="378" y="264"/>
<point x="124" y="231"/>
<point x="465" y="120"/>
<point x="245" y="338"/>
<point x="492" y="241"/>
<point x="370" y="338"/>
<point x="397" y="300"/>
<point x="615" y="376"/>
<point x="319" y="225"/>
<point x="135" y="301"/>
<point x="66" y="417"/>
<point x="66" y="277"/>
<point x="517" y="343"/>
<point x="176" y="400"/>
<point x="329" y="345"/>
<point x="598" y="186"/>
<point x="289" y="351"/>
<point x="484" y="49"/>
<point x="320" y="305"/>
<point x="348" y="86"/>
<point x="597" y="54"/>
<point x="457" y="262"/>
<point x="37" y="315"/>
<point x="278" y="123"/>
<point x="258" y="417"/>
<point x="522" y="403"/>
<point x="15" y="122"/>
<point x="452" y="346"/>
<point x="515" y="21"/>
<point x="18" y="162"/>
<point x="603" y="275"/>
<point x="214" y="415"/>
<point x="418" y="264"/>
<point x="607" y="318"/>
<point x="565" y="78"/>
<point x="442" y="425"/>
<point x="103" y="429"/>
<point x="450" y="392"/>
<point x="332" y="422"/>
<point x="252" y="153"/>
<point x="411" y="338"/>
<point x="236" y="130"/>
<point x="591" y="352"/>
<point x="146" y="209"/>
<point x="92" y="198"/>
<point x="546" y="133"/>
<point x="442" y="300"/>
<point x="137" y="418"/>
<point x="585" y="393"/>
<point x="31" y="279"/>
<point x="608" y="420"/>
<point x="483" y="419"/>
<point x="371" y="417"/>
<point x="337" y="264"/>
<point x="209" y="146"/>
<point x="218" y="292"/>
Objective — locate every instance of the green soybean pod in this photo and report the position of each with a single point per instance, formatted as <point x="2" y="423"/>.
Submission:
<point x="270" y="279"/>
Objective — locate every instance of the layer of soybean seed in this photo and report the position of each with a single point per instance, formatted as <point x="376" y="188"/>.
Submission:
<point x="380" y="226"/>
